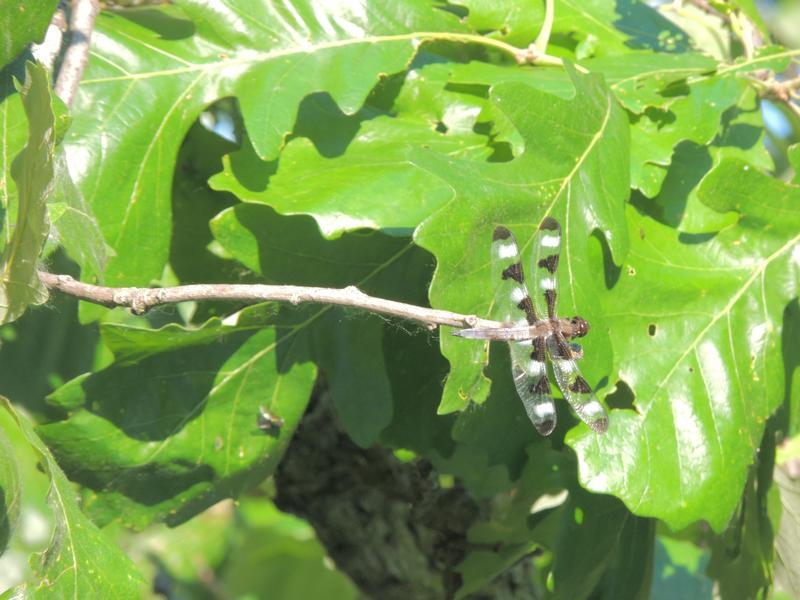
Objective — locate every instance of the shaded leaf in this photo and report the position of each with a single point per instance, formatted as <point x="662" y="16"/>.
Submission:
<point x="77" y="227"/>
<point x="79" y="560"/>
<point x="33" y="173"/>
<point x="741" y="557"/>
<point x="347" y="345"/>
<point x="679" y="570"/>
<point x="170" y="428"/>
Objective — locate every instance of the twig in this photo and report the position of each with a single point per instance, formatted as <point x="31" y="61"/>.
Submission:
<point x="47" y="51"/>
<point x="140" y="300"/>
<point x="81" y="24"/>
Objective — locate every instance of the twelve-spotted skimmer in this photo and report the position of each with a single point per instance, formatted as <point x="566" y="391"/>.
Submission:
<point x="532" y="337"/>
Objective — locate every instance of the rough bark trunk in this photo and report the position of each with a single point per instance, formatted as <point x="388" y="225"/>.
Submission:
<point x="386" y="523"/>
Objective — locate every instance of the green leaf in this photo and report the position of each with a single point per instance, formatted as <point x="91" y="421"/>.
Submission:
<point x="694" y="116"/>
<point x="793" y="155"/>
<point x="742" y="137"/>
<point x="279" y="556"/>
<point x="347" y="345"/>
<point x="618" y="27"/>
<point x="79" y="560"/>
<point x="22" y="23"/>
<point x="516" y="22"/>
<point x="170" y="427"/>
<point x="579" y="174"/>
<point x="11" y="478"/>
<point x="77" y="227"/>
<point x="679" y="570"/>
<point x="741" y="558"/>
<point x="701" y="309"/>
<point x="708" y="31"/>
<point x="182" y="57"/>
<point x="787" y="540"/>
<point x="33" y="173"/>
<point x="340" y="192"/>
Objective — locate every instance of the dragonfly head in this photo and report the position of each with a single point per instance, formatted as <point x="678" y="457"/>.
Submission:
<point x="581" y="326"/>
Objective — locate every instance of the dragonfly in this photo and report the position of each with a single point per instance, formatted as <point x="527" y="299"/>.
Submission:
<point x="535" y="333"/>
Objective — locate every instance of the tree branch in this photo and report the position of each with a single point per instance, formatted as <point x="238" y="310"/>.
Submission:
<point x="140" y="300"/>
<point x="48" y="50"/>
<point x="81" y="24"/>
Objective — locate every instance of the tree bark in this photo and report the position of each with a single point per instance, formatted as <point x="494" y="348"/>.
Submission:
<point x="385" y="523"/>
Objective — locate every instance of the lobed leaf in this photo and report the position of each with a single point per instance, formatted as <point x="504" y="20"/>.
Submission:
<point x="697" y="326"/>
<point x="170" y="427"/>
<point x="79" y="560"/>
<point x="182" y="57"/>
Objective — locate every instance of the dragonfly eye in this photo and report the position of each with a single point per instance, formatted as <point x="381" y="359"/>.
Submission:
<point x="581" y="326"/>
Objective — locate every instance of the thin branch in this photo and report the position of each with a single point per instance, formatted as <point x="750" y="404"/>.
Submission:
<point x="140" y="300"/>
<point x="81" y="24"/>
<point x="48" y="50"/>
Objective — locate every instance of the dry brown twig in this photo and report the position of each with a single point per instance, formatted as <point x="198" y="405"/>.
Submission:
<point x="140" y="300"/>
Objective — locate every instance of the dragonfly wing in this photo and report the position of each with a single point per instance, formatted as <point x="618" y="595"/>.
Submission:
<point x="575" y="388"/>
<point x="512" y="303"/>
<point x="530" y="378"/>
<point x="544" y="267"/>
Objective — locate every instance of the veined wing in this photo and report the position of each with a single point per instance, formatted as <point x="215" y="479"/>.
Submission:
<point x="545" y="267"/>
<point x="530" y="378"/>
<point x="575" y="388"/>
<point x="513" y="304"/>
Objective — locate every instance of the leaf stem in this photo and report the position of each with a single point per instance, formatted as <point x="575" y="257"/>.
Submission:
<point x="547" y="27"/>
<point x="140" y="300"/>
<point x="525" y="56"/>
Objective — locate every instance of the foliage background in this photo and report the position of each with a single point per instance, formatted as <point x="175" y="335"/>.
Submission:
<point x="324" y="144"/>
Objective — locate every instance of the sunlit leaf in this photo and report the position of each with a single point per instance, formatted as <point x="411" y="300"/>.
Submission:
<point x="22" y="23"/>
<point x="706" y="312"/>
<point x="180" y="58"/>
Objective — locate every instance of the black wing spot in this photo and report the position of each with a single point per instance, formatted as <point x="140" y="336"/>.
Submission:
<point x="546" y="427"/>
<point x="530" y="313"/>
<point x="651" y="330"/>
<point x="550" y="263"/>
<point x="562" y="347"/>
<point x="580" y="386"/>
<point x="514" y="272"/>
<point x="500" y="233"/>
<point x="600" y="425"/>
<point x="541" y="387"/>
